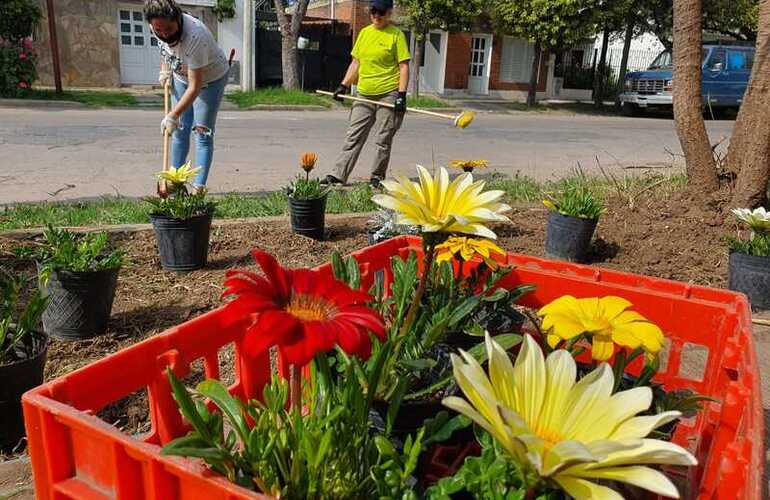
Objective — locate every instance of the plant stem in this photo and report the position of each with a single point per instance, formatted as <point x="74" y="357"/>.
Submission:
<point x="430" y="253"/>
<point x="295" y="387"/>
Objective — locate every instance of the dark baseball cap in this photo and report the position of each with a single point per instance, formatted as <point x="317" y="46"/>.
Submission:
<point x="382" y="4"/>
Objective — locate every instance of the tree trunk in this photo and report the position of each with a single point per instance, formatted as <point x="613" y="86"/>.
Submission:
<point x="627" y="39"/>
<point x="534" y="77"/>
<point x="688" y="115"/>
<point x="419" y="50"/>
<point x="290" y="27"/>
<point x="749" y="154"/>
<point x="599" y="74"/>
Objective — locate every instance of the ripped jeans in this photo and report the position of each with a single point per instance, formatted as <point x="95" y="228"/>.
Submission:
<point x="199" y="119"/>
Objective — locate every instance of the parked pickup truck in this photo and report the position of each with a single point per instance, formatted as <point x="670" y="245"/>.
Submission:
<point x="726" y="70"/>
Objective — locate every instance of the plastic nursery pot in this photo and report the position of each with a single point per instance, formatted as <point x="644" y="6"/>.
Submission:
<point x="308" y="216"/>
<point x="750" y="275"/>
<point x="569" y="238"/>
<point x="80" y="303"/>
<point x="16" y="378"/>
<point x="183" y="244"/>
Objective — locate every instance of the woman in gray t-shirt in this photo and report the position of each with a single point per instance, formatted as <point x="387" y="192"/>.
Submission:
<point x="196" y="68"/>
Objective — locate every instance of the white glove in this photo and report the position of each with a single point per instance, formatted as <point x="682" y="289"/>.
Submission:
<point x="169" y="123"/>
<point x="164" y="76"/>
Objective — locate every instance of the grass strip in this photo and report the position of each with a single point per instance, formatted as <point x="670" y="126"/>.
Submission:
<point x="276" y="96"/>
<point x="517" y="189"/>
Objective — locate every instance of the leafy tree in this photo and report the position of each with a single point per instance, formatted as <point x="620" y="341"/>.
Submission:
<point x="548" y="24"/>
<point x="733" y="18"/>
<point x="422" y="16"/>
<point x="290" y="25"/>
<point x="18" y="19"/>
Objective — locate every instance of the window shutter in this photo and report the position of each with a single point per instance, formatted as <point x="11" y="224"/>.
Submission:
<point x="506" y="60"/>
<point x="526" y="71"/>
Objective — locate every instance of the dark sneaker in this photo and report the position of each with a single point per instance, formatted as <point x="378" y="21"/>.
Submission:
<point x="330" y="180"/>
<point x="375" y="183"/>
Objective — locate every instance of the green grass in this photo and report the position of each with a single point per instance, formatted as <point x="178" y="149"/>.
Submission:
<point x="518" y="189"/>
<point x="276" y="96"/>
<point x="89" y="97"/>
<point x="427" y="102"/>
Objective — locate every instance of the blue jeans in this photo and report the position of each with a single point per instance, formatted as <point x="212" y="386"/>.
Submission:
<point x="201" y="119"/>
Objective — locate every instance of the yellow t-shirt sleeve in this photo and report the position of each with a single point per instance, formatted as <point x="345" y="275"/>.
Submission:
<point x="402" y="50"/>
<point x="356" y="52"/>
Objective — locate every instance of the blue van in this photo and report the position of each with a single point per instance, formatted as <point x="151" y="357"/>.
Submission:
<point x="726" y="72"/>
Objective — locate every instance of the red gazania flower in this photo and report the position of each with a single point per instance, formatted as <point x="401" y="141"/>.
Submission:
<point x="302" y="311"/>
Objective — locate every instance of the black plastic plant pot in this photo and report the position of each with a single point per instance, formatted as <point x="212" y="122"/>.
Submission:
<point x="183" y="244"/>
<point x="308" y="217"/>
<point x="750" y="274"/>
<point x="80" y="303"/>
<point x="569" y="238"/>
<point x="16" y="378"/>
<point x="411" y="415"/>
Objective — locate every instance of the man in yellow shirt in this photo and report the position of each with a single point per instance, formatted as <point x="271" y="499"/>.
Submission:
<point x="380" y="68"/>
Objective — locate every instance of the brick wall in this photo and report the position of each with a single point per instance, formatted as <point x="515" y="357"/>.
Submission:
<point x="459" y="60"/>
<point x="353" y="12"/>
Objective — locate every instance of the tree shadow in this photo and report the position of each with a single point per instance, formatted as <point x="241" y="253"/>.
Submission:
<point x="230" y="262"/>
<point x="142" y="321"/>
<point x="602" y="250"/>
<point x="337" y="231"/>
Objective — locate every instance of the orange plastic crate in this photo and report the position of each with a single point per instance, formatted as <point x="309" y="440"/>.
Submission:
<point x="77" y="455"/>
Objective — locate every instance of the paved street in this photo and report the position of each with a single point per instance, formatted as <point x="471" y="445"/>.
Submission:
<point x="56" y="154"/>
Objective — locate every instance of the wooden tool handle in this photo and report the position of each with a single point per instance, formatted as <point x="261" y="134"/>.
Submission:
<point x="386" y="105"/>
<point x="162" y="187"/>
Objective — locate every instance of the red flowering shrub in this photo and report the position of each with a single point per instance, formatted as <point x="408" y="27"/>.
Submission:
<point x="18" y="19"/>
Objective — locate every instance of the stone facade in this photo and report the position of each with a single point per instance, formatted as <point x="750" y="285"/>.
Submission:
<point x="87" y="32"/>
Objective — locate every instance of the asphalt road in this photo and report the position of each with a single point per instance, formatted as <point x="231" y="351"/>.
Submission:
<point x="56" y="154"/>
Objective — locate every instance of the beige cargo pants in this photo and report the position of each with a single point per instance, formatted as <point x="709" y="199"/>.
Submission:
<point x="363" y="117"/>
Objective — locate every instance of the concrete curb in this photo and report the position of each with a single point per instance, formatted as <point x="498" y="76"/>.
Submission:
<point x="135" y="228"/>
<point x="35" y="103"/>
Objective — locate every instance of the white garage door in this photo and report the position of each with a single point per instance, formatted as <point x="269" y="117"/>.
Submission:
<point x="139" y="55"/>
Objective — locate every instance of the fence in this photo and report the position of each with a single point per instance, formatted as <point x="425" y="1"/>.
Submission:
<point x="322" y="64"/>
<point x="578" y="66"/>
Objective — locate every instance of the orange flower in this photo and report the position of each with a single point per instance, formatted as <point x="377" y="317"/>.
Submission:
<point x="308" y="161"/>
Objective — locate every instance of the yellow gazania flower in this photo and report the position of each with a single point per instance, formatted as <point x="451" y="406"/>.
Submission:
<point x="569" y="433"/>
<point x="179" y="176"/>
<point x="437" y="205"/>
<point x="469" y="165"/>
<point x="467" y="248"/>
<point x="605" y="320"/>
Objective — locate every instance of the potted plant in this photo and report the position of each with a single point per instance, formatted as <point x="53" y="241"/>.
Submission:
<point x="307" y="201"/>
<point x="574" y="214"/>
<point x="23" y="348"/>
<point x="79" y="274"/>
<point x="182" y="221"/>
<point x="749" y="268"/>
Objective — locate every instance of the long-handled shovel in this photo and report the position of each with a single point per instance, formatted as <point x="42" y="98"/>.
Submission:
<point x="162" y="187"/>
<point x="461" y="121"/>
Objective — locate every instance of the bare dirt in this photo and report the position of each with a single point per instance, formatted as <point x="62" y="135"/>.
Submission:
<point x="663" y="236"/>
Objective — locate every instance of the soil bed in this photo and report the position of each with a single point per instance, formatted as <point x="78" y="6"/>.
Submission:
<point x="661" y="237"/>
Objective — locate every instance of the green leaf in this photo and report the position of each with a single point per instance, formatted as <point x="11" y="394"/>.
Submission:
<point x="354" y="274"/>
<point x="338" y="267"/>
<point x="496" y="296"/>
<point x="441" y="427"/>
<point x="187" y="405"/>
<point x="463" y="310"/>
<point x="384" y="446"/>
<point x="520" y="291"/>
<point x="230" y="406"/>
<point x="419" y="364"/>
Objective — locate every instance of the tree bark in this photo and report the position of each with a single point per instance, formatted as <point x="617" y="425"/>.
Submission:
<point x="534" y="77"/>
<point x="627" y="39"/>
<point x="290" y="27"/>
<point x="688" y="115"/>
<point x="749" y="153"/>
<point x="419" y="50"/>
<point x="599" y="74"/>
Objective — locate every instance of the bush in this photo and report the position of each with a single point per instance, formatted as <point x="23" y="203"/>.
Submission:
<point x="18" y="19"/>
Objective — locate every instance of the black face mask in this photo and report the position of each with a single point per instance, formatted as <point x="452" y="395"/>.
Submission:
<point x="173" y="40"/>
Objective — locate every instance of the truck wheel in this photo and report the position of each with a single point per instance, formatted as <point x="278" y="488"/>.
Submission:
<point x="630" y="109"/>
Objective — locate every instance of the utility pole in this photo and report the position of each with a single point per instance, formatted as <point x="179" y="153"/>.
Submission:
<point x="54" y="45"/>
<point x="247" y="59"/>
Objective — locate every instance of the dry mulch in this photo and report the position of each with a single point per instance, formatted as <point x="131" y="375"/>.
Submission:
<point x="663" y="236"/>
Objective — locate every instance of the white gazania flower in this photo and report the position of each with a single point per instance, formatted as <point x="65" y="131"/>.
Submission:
<point x="570" y="433"/>
<point x="758" y="219"/>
